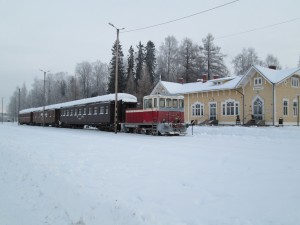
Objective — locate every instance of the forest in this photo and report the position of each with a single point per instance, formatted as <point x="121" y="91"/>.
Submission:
<point x="138" y="72"/>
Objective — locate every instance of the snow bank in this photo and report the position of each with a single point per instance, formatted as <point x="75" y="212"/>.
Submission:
<point x="218" y="175"/>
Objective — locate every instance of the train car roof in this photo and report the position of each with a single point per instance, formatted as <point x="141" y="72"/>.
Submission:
<point x="103" y="98"/>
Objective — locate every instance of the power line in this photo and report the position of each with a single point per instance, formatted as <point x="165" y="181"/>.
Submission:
<point x="181" y="18"/>
<point x="258" y="28"/>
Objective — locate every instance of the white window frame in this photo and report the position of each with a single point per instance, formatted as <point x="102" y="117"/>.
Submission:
<point x="295" y="82"/>
<point x="295" y="107"/>
<point x="234" y="109"/>
<point x="198" y="109"/>
<point x="285" y="108"/>
<point x="258" y="81"/>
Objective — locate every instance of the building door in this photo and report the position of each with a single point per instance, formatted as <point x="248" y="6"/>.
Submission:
<point x="258" y="109"/>
<point x="212" y="111"/>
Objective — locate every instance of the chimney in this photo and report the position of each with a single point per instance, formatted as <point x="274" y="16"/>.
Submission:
<point x="180" y="80"/>
<point x="272" y="67"/>
<point x="204" y="77"/>
<point x="215" y="76"/>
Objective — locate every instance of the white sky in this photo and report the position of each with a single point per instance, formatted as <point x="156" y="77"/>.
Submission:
<point x="55" y="35"/>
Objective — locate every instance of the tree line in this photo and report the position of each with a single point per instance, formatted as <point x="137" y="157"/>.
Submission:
<point x="138" y="72"/>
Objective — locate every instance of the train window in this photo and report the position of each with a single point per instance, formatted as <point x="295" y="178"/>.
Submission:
<point x="161" y="102"/>
<point x="84" y="111"/>
<point x="71" y="113"/>
<point x="90" y="110"/>
<point x="155" y="103"/>
<point x="169" y="102"/>
<point x="181" y="103"/>
<point x="46" y="114"/>
<point x="175" y="103"/>
<point x="75" y="112"/>
<point x="106" y="109"/>
<point x="95" y="110"/>
<point x="79" y="112"/>
<point x="102" y="110"/>
<point x="148" y="103"/>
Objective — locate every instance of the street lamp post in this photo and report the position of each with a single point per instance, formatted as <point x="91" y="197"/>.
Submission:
<point x="116" y="77"/>
<point x="2" y="110"/>
<point x="44" y="96"/>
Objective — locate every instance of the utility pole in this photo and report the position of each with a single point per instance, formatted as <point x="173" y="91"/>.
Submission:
<point x="116" y="77"/>
<point x="19" y="106"/>
<point x="44" y="96"/>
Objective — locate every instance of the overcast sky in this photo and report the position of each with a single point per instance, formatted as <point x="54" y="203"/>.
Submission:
<point x="55" y="35"/>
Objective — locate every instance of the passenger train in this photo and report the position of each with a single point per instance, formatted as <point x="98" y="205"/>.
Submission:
<point x="160" y="115"/>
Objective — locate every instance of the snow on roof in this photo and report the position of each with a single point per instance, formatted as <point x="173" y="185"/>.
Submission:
<point x="209" y="85"/>
<point x="103" y="98"/>
<point x="172" y="87"/>
<point x="276" y="76"/>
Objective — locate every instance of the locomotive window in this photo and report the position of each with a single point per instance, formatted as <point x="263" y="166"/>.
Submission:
<point x="169" y="103"/>
<point x="148" y="103"/>
<point x="175" y="103"/>
<point x="106" y="109"/>
<point x="161" y="102"/>
<point x="181" y="103"/>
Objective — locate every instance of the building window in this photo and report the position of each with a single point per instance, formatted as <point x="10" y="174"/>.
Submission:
<point x="257" y="81"/>
<point x="295" y="82"/>
<point x="295" y="108"/>
<point x="230" y="108"/>
<point x="285" y="107"/>
<point x="197" y="109"/>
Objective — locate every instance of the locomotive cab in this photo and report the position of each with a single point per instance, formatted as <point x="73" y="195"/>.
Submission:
<point x="163" y="102"/>
<point x="161" y="114"/>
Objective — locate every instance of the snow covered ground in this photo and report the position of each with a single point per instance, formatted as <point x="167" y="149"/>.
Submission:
<point x="217" y="176"/>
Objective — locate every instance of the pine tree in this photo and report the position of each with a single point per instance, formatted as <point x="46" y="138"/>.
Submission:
<point x="139" y="63"/>
<point x="150" y="60"/>
<point x="130" y="83"/>
<point x="213" y="58"/>
<point x="121" y="74"/>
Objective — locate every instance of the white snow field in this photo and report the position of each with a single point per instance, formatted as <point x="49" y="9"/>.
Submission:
<point x="217" y="176"/>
